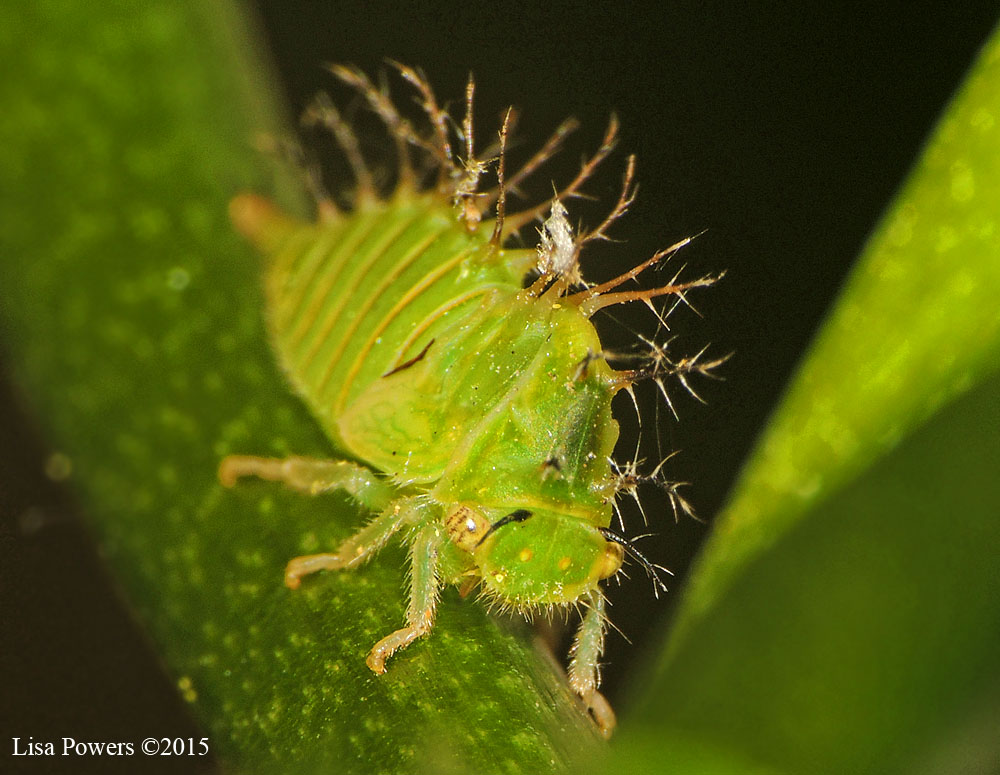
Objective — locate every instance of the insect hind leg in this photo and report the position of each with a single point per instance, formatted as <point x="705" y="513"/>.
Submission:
<point x="311" y="476"/>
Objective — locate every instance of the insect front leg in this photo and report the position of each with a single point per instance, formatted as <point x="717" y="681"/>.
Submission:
<point x="424" y="586"/>
<point x="584" y="666"/>
<point x="358" y="548"/>
<point x="311" y="476"/>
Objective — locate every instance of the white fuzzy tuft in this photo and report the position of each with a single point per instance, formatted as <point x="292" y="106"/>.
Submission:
<point x="557" y="249"/>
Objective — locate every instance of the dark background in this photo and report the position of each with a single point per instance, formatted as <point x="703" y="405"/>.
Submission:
<point x="780" y="131"/>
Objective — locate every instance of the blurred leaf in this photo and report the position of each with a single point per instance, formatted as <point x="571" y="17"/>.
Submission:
<point x="845" y="615"/>
<point x="917" y="323"/>
<point x="133" y="318"/>
<point x="866" y="635"/>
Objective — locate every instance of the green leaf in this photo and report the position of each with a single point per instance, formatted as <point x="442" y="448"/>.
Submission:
<point x="845" y="615"/>
<point x="133" y="317"/>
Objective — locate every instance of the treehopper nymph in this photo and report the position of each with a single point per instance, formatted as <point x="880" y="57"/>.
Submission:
<point x="466" y="376"/>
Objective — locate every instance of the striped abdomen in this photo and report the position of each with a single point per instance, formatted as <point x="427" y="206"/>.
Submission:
<point x="353" y="299"/>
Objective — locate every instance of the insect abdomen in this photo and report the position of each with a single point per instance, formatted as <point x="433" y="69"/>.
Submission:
<point x="353" y="299"/>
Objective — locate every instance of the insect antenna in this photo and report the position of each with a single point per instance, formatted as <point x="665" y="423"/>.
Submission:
<point x="635" y="554"/>
<point x="515" y="516"/>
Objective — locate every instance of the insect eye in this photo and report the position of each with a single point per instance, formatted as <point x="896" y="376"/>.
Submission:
<point x="466" y="527"/>
<point x="611" y="561"/>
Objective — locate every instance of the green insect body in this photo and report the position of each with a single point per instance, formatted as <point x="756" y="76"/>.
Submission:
<point x="486" y="406"/>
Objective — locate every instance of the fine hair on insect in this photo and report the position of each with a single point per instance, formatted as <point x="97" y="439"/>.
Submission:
<point x="458" y="372"/>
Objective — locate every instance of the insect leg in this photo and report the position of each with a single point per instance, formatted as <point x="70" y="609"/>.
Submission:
<point x="583" y="667"/>
<point x="356" y="549"/>
<point x="423" y="597"/>
<point x="311" y="476"/>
